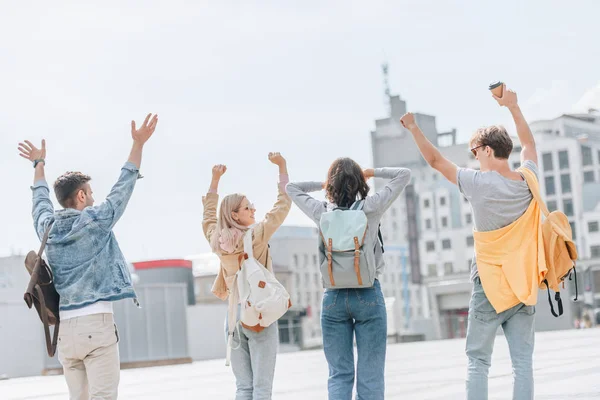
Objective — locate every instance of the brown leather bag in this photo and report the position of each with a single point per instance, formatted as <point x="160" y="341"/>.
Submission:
<point x="42" y="294"/>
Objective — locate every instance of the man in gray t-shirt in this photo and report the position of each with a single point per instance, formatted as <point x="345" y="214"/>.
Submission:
<point x="498" y="197"/>
<point x="496" y="201"/>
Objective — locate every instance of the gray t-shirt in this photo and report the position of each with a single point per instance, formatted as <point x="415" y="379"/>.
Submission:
<point x="496" y="201"/>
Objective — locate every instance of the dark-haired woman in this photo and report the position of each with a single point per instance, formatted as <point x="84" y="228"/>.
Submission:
<point x="349" y="312"/>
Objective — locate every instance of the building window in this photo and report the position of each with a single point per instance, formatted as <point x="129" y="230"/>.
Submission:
<point x="565" y="183"/>
<point x="295" y="260"/>
<point x="444" y="222"/>
<point x="430" y="246"/>
<point x="426" y="203"/>
<point x="448" y="268"/>
<point x="563" y="159"/>
<point x="315" y="263"/>
<point x="517" y="149"/>
<point x="573" y="231"/>
<point x="442" y="201"/>
<point x="586" y="156"/>
<point x="547" y="160"/>
<point x="516" y="165"/>
<point x="469" y="264"/>
<point x="595" y="251"/>
<point x="427" y="224"/>
<point x="308" y="298"/>
<point x="470" y="241"/>
<point x="446" y="244"/>
<point x="469" y="218"/>
<point x="568" y="207"/>
<point x="550" y="189"/>
<point x="593" y="226"/>
<point x="552" y="206"/>
<point x="305" y="261"/>
<point x="431" y="270"/>
<point x="588" y="176"/>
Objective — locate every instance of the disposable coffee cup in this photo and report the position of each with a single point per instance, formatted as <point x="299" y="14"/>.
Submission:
<point x="496" y="88"/>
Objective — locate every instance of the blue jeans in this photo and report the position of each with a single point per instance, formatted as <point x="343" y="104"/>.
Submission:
<point x="253" y="358"/>
<point x="360" y="312"/>
<point x="518" y="326"/>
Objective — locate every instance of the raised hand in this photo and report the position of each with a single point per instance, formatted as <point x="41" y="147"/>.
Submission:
<point x="277" y="159"/>
<point x="142" y="134"/>
<point x="408" y="120"/>
<point x="369" y="173"/>
<point x="218" y="171"/>
<point x="28" y="151"/>
<point x="508" y="99"/>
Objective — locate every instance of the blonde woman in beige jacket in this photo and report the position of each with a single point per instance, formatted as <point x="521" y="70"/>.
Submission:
<point x="255" y="348"/>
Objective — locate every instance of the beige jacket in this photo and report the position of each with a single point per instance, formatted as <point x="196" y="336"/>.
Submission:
<point x="230" y="262"/>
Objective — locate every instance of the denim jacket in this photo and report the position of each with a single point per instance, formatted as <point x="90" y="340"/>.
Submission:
<point x="82" y="250"/>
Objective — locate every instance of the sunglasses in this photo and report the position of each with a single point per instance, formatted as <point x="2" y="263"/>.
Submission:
<point x="249" y="207"/>
<point x="474" y="149"/>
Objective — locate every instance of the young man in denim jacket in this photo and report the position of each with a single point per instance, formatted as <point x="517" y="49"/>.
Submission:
<point x="89" y="269"/>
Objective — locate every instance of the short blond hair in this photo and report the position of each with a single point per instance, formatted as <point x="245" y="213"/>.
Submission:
<point x="495" y="137"/>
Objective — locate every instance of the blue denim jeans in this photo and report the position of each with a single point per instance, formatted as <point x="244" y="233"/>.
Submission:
<point x="346" y="313"/>
<point x="518" y="326"/>
<point x="253" y="357"/>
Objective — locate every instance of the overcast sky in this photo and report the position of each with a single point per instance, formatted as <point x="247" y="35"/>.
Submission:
<point x="233" y="80"/>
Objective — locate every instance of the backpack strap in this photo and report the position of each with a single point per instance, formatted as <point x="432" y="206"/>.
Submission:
<point x="574" y="269"/>
<point x="358" y="205"/>
<point x="380" y="238"/>
<point x="534" y="188"/>
<point x="248" y="243"/>
<point x="558" y="301"/>
<point x="330" y="261"/>
<point x="50" y="343"/>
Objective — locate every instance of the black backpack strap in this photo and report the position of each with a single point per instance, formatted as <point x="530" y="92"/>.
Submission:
<point x="576" y="288"/>
<point x="380" y="238"/>
<point x="558" y="301"/>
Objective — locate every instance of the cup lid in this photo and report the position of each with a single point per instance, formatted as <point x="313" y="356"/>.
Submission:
<point x="494" y="85"/>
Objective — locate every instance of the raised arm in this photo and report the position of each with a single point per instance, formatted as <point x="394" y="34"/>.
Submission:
<point x="43" y="209"/>
<point x="210" y="202"/>
<point x="384" y="197"/>
<point x="299" y="193"/>
<point x="509" y="100"/>
<point x="430" y="153"/>
<point x="274" y="218"/>
<point x="111" y="210"/>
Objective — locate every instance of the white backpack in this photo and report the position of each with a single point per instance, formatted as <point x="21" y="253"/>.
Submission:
<point x="263" y="299"/>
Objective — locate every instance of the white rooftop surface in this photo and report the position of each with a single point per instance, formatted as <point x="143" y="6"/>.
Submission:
<point x="566" y="366"/>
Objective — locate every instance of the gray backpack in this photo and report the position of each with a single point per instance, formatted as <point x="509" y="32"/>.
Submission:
<point x="350" y="256"/>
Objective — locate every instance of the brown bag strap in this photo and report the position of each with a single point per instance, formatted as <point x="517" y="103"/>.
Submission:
<point x="50" y="345"/>
<point x="357" y="261"/>
<point x="534" y="188"/>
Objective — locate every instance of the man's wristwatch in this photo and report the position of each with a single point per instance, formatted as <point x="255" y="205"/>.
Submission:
<point x="39" y="160"/>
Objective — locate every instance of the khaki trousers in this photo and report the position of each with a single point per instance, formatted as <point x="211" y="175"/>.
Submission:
<point x="89" y="353"/>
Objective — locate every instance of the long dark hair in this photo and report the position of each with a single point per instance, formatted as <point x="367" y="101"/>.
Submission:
<point x="345" y="182"/>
